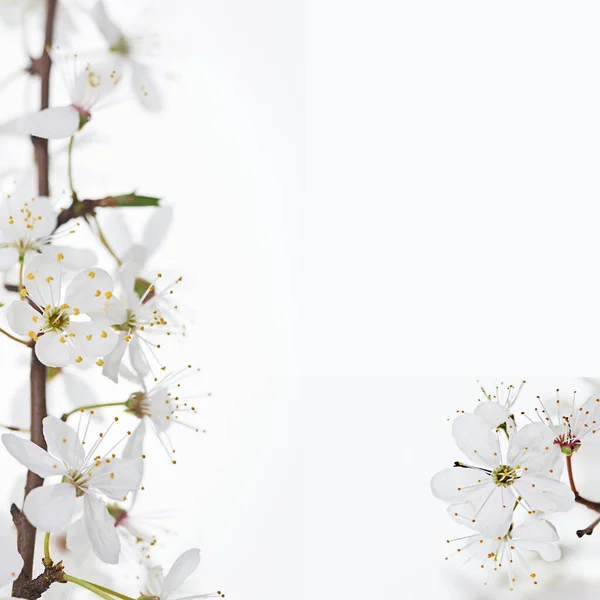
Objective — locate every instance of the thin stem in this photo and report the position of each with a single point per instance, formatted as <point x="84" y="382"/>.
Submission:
<point x="47" y="558"/>
<point x="70" y="168"/>
<point x="117" y="594"/>
<point x="21" y="266"/>
<point x="104" y="241"/>
<point x="588" y="530"/>
<point x="12" y="337"/>
<point x="88" y="586"/>
<point x="91" y="406"/>
<point x="571" y="479"/>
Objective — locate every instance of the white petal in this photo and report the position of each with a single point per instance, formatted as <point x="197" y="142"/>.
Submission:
<point x="137" y="357"/>
<point x="112" y="362"/>
<point x="544" y="494"/>
<point x="93" y="339"/>
<point x="460" y="485"/>
<point x="534" y="528"/>
<point x="183" y="567"/>
<point x="63" y="442"/>
<point x="101" y="530"/>
<point x="22" y="318"/>
<point x="69" y="258"/>
<point x="90" y="290"/>
<point x="145" y="88"/>
<point x="491" y="519"/>
<point x="160" y="410"/>
<point x="117" y="478"/>
<point x="11" y="562"/>
<point x="51" y="351"/>
<point x="32" y="456"/>
<point x="135" y="443"/>
<point x="546" y="550"/>
<point x="108" y="28"/>
<point x="473" y="436"/>
<point x="51" y="123"/>
<point x="492" y="412"/>
<point x="50" y="507"/>
<point x="533" y="447"/>
<point x="9" y="257"/>
<point x="157" y="228"/>
<point x="77" y="538"/>
<point x="43" y="281"/>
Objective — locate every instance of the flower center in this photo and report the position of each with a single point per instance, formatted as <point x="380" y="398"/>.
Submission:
<point x="129" y="324"/>
<point x="77" y="480"/>
<point x="117" y="513"/>
<point x="121" y="47"/>
<point x="568" y="443"/>
<point x="138" y="404"/>
<point x="504" y="475"/>
<point x="55" y="319"/>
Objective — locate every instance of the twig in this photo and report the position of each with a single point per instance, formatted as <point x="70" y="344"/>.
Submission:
<point x="595" y="506"/>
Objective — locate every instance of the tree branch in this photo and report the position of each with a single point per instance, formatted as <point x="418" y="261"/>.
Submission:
<point x="24" y="586"/>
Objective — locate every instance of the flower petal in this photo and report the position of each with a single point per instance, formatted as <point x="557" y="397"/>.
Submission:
<point x="145" y="88"/>
<point x="112" y="362"/>
<point x="63" y="442"/>
<point x="22" y="318"/>
<point x="52" y="351"/>
<point x="533" y="448"/>
<point x="93" y="339"/>
<point x="137" y="357"/>
<point x="490" y="514"/>
<point x="90" y="290"/>
<point x="183" y="567"/>
<point x="116" y="478"/>
<point x="156" y="228"/>
<point x="77" y="538"/>
<point x="459" y="485"/>
<point x="534" y="528"/>
<point x="9" y="257"/>
<point x="32" y="456"/>
<point x="43" y="281"/>
<point x="108" y="28"/>
<point x="492" y="412"/>
<point x="50" y="507"/>
<point x="545" y="494"/>
<point x="101" y="530"/>
<point x="546" y="550"/>
<point x="69" y="258"/>
<point x="51" y="123"/>
<point x="473" y="436"/>
<point x="11" y="562"/>
<point x="135" y="444"/>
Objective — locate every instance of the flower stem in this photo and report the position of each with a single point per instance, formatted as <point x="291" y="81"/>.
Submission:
<point x="571" y="479"/>
<point x="47" y="559"/>
<point x="21" y="265"/>
<point x="12" y="337"/>
<point x="108" y="590"/>
<point x="70" y="166"/>
<point x="88" y="586"/>
<point x="91" y="406"/>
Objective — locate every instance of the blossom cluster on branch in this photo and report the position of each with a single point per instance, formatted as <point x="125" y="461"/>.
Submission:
<point x="517" y="472"/>
<point x="70" y="315"/>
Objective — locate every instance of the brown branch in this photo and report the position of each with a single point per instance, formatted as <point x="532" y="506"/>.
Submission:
<point x="24" y="586"/>
<point x="595" y="506"/>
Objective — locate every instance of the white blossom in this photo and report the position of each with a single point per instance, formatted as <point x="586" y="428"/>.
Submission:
<point x="11" y="562"/>
<point x="91" y="475"/>
<point x="526" y="473"/>
<point x="55" y="314"/>
<point x="496" y="409"/>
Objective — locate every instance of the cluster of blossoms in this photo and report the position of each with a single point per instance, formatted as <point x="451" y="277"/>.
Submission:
<point x="510" y="484"/>
<point x="72" y="315"/>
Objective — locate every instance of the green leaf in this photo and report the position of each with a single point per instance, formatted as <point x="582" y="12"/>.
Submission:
<point x="135" y="200"/>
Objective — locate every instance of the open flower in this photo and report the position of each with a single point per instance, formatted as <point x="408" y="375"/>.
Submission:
<point x="88" y="89"/>
<point x="526" y="475"/>
<point x="11" y="562"/>
<point x="162" y="587"/>
<point x="135" y="52"/>
<point x="162" y="407"/>
<point x="496" y="409"/>
<point x="143" y="318"/>
<point x="505" y="551"/>
<point x="91" y="475"/>
<point x="65" y="339"/>
<point x="27" y="226"/>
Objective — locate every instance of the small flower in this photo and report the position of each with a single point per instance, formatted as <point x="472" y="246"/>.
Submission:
<point x="525" y="475"/>
<point x="93" y="476"/>
<point x="27" y="226"/>
<point x="159" y="587"/>
<point x="496" y="409"/>
<point x="51" y="320"/>
<point x="143" y="319"/>
<point x="572" y="427"/>
<point x="11" y="562"/>
<point x="504" y="551"/>
<point x="162" y="407"/>
<point x="88" y="89"/>
<point x="135" y="52"/>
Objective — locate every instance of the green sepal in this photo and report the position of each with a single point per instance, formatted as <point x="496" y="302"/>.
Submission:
<point x="136" y="200"/>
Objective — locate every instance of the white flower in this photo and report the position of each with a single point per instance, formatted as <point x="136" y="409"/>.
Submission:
<point x="162" y="587"/>
<point x="11" y="562"/>
<point x="64" y="339"/>
<point x="135" y="51"/>
<point x="527" y="474"/>
<point x="143" y="319"/>
<point x="161" y="406"/>
<point x="572" y="427"/>
<point x="504" y="551"/>
<point x="51" y="507"/>
<point x="27" y="226"/>
<point x="496" y="409"/>
<point x="88" y="88"/>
